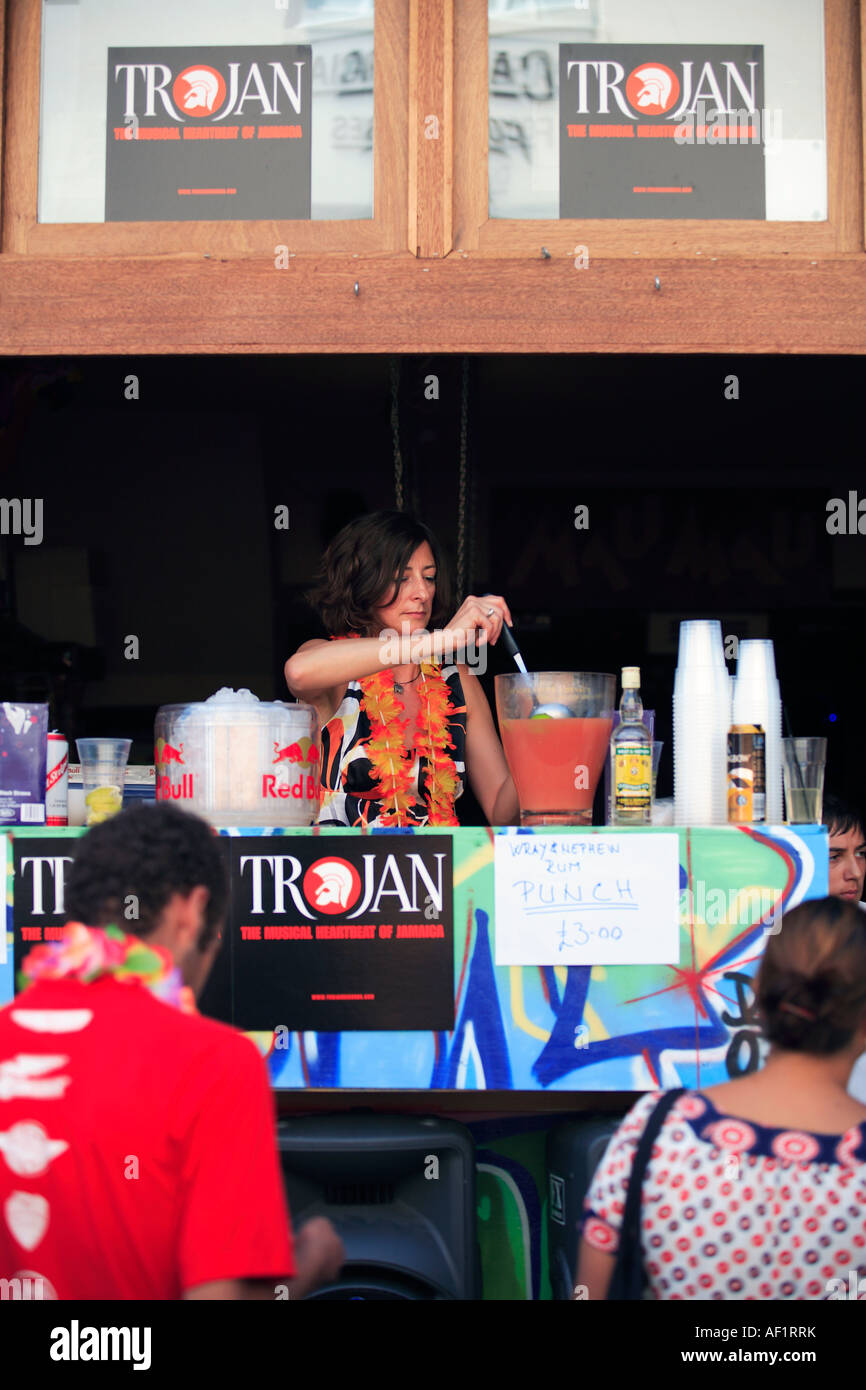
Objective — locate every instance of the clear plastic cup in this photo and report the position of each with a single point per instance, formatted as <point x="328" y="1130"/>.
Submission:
<point x="700" y="643"/>
<point x="804" y="761"/>
<point x="657" y="754"/>
<point x="697" y="672"/>
<point x="663" y="812"/>
<point x="103" y="775"/>
<point x="751" y="707"/>
<point x="751" y="661"/>
<point x="752" y="693"/>
<point x="756" y="654"/>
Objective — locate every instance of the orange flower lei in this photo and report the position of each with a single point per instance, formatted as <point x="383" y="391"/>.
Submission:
<point x="391" y="761"/>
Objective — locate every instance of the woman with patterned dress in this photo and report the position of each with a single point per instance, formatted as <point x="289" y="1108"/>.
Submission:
<point x="404" y="722"/>
<point x="756" y="1188"/>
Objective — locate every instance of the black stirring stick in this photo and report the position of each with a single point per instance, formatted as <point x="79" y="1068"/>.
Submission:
<point x="548" y="711"/>
<point x="512" y="648"/>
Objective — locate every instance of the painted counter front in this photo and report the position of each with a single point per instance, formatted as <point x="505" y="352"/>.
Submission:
<point x="535" y="1028"/>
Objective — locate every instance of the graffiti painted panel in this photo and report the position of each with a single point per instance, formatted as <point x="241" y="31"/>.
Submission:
<point x="581" y="1028"/>
<point x="592" y="1028"/>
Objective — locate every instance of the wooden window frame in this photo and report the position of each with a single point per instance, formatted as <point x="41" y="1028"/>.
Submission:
<point x="483" y="285"/>
<point x="842" y="232"/>
<point x="384" y="232"/>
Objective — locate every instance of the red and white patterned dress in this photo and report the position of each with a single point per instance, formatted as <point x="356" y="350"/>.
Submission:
<point x="735" y="1210"/>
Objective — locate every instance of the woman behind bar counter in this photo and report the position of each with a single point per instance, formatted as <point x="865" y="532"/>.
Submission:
<point x="757" y="1188"/>
<point x="400" y="731"/>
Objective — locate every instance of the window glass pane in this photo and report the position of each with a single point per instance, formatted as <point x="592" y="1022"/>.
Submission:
<point x="772" y="157"/>
<point x="73" y="132"/>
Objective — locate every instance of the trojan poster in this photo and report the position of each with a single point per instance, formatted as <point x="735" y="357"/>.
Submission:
<point x="198" y="134"/>
<point x="342" y="932"/>
<point x="666" y="130"/>
<point x="37" y="912"/>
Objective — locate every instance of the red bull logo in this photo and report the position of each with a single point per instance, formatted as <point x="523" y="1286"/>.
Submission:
<point x="165" y="791"/>
<point x="271" y="788"/>
<point x="166" y="753"/>
<point x="293" y="753"/>
<point x="290" y="754"/>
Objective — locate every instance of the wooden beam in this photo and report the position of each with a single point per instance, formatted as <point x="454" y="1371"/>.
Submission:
<point x="3" y="68"/>
<point x="471" y="151"/>
<point x="21" y="132"/>
<point x="464" y="303"/>
<point x="862" y="169"/>
<point x="431" y="126"/>
<point x="844" y="94"/>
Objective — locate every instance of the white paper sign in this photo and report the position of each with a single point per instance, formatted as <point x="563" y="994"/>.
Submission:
<point x="587" y="899"/>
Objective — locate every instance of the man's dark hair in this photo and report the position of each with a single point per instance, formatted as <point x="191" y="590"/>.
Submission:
<point x="362" y="568"/>
<point x="151" y="851"/>
<point x="840" y="816"/>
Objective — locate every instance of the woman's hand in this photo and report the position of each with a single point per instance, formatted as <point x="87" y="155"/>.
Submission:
<point x="477" y="620"/>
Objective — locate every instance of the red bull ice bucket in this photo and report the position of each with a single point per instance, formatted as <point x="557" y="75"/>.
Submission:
<point x="239" y="761"/>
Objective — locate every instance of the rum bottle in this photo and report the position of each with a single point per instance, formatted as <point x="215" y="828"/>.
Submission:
<point x="631" y="757"/>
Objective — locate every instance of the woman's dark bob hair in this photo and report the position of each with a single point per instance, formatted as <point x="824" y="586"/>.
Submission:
<point x="811" y="985"/>
<point x="362" y="568"/>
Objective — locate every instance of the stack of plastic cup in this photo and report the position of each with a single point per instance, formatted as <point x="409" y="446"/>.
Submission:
<point x="757" y="700"/>
<point x="701" y="719"/>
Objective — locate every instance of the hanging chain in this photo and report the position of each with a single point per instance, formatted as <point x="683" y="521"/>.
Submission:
<point x="395" y="434"/>
<point x="461" y="487"/>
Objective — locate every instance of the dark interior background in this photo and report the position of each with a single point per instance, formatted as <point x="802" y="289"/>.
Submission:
<point x="158" y="519"/>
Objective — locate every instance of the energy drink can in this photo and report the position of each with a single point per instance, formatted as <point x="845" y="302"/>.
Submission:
<point x="57" y="780"/>
<point x="747" y="790"/>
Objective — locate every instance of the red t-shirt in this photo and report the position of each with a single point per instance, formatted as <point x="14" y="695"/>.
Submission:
<point x="137" y="1148"/>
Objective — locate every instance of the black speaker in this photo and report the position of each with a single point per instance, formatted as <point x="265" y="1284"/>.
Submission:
<point x="400" y="1192"/>
<point x="574" y="1151"/>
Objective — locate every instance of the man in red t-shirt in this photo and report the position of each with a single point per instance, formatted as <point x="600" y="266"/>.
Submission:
<point x="137" y="1149"/>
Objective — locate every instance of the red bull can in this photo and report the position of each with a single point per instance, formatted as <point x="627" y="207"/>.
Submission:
<point x="747" y="792"/>
<point x="57" y="780"/>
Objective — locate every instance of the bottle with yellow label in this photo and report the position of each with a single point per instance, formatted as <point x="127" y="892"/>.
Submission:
<point x="631" y="757"/>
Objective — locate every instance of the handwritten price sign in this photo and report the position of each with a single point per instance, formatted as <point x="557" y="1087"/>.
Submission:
<point x="583" y="898"/>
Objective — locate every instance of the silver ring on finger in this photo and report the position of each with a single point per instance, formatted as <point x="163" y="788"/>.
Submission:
<point x="490" y="612"/>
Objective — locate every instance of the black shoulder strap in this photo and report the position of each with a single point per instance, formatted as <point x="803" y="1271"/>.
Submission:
<point x="629" y="1236"/>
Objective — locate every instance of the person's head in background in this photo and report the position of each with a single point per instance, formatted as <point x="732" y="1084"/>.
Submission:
<point x="156" y="872"/>
<point x="811" y="984"/>
<point x="847" y="849"/>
